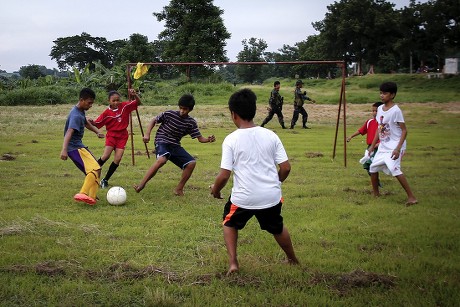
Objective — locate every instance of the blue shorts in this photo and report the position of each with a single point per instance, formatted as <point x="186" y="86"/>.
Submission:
<point x="174" y="153"/>
<point x="270" y="219"/>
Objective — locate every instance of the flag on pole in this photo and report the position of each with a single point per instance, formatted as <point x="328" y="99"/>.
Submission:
<point x="141" y="70"/>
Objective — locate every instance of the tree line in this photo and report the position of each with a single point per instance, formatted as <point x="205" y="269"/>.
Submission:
<point x="371" y="33"/>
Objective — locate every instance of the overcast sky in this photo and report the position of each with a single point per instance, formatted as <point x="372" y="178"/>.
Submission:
<point x="29" y="27"/>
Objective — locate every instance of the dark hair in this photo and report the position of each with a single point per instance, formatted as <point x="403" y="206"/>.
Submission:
<point x="377" y="104"/>
<point x="276" y="83"/>
<point x="243" y="103"/>
<point x="187" y="101"/>
<point x="86" y="93"/>
<point x="111" y="93"/>
<point x="389" y="87"/>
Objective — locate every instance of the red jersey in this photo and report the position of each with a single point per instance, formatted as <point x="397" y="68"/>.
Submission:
<point x="116" y="121"/>
<point x="370" y="128"/>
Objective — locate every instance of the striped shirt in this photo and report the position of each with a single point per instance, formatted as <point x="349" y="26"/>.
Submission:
<point x="173" y="128"/>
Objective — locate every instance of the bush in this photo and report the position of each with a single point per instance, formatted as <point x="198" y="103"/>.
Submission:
<point x="46" y="95"/>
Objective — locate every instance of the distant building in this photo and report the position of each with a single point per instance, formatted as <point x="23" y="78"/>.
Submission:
<point x="452" y="66"/>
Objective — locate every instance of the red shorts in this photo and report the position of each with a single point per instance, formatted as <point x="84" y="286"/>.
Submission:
<point x="118" y="140"/>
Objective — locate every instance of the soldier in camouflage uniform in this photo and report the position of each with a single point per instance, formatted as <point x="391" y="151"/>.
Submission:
<point x="299" y="100"/>
<point x="275" y="105"/>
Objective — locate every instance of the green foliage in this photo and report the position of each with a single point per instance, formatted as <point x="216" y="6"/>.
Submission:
<point x="80" y="51"/>
<point x="162" y="250"/>
<point x="45" y="95"/>
<point x="137" y="49"/>
<point x="31" y="72"/>
<point x="253" y="51"/>
<point x="194" y="32"/>
<point x="156" y="92"/>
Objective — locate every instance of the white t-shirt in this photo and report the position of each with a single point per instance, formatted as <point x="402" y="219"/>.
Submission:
<point x="253" y="155"/>
<point x="389" y="130"/>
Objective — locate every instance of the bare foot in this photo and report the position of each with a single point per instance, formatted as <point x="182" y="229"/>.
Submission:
<point x="376" y="195"/>
<point x="291" y="261"/>
<point x="411" y="201"/>
<point x="232" y="270"/>
<point x="179" y="192"/>
<point x="138" y="187"/>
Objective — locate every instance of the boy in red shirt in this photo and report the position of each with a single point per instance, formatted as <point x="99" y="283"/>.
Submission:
<point x="115" y="119"/>
<point x="369" y="128"/>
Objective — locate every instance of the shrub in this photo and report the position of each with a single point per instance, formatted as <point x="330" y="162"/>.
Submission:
<point x="46" y="95"/>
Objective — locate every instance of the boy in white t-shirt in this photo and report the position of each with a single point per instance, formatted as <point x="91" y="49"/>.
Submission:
<point x="259" y="164"/>
<point x="392" y="134"/>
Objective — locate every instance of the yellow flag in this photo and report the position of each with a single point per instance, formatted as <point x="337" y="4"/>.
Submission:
<point x="141" y="70"/>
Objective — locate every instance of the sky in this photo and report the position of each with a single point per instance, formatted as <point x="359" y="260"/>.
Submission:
<point x="29" y="27"/>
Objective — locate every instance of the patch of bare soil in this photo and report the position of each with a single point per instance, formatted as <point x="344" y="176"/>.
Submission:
<point x="345" y="282"/>
<point x="124" y="270"/>
<point x="7" y="157"/>
<point x="314" y="154"/>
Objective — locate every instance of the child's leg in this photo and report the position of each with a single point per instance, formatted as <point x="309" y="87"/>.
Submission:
<point x="186" y="173"/>
<point x="231" y="238"/>
<point x="114" y="165"/>
<point x="284" y="241"/>
<point x="105" y="155"/>
<point x="150" y="173"/>
<point x="86" y="161"/>
<point x="94" y="183"/>
<point x="375" y="184"/>
<point x="411" y="200"/>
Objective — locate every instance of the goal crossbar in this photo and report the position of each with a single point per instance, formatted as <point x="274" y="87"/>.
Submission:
<point x="342" y="99"/>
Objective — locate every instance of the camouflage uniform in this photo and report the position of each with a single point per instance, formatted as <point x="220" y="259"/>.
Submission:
<point x="276" y="107"/>
<point x="299" y="100"/>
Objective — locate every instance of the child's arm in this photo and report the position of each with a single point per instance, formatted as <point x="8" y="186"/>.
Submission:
<point x="374" y="142"/>
<point x="397" y="151"/>
<point x="353" y="135"/>
<point x="65" y="144"/>
<point x="133" y="93"/>
<point x="220" y="182"/>
<point x="209" y="139"/>
<point x="284" y="170"/>
<point x="152" y="124"/>
<point x="93" y="128"/>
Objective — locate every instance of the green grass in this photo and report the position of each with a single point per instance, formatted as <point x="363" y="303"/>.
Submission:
<point x="162" y="250"/>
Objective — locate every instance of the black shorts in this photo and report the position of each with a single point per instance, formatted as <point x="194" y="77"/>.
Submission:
<point x="270" y="219"/>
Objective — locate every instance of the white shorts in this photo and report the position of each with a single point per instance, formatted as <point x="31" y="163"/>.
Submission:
<point x="383" y="162"/>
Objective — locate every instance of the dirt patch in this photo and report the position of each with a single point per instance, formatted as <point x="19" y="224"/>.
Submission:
<point x="126" y="271"/>
<point x="50" y="268"/>
<point x="345" y="282"/>
<point x="7" y="157"/>
<point x="314" y="154"/>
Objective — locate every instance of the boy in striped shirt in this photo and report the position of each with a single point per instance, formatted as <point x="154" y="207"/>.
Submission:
<point x="174" y="125"/>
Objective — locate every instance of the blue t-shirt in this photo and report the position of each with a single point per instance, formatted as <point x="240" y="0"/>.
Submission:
<point x="76" y="121"/>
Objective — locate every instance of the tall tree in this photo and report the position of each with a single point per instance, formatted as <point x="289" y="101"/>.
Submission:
<point x="32" y="71"/>
<point x="253" y="51"/>
<point x="137" y="49"/>
<point x="358" y="29"/>
<point x="194" y="31"/>
<point x="80" y="50"/>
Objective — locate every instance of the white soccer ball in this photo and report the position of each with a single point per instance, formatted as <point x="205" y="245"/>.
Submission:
<point x="116" y="196"/>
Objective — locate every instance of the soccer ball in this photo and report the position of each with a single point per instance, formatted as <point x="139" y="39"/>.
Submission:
<point x="116" y="196"/>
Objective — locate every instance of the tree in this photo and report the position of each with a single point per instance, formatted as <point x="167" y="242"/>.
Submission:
<point x="32" y="71"/>
<point x="194" y="32"/>
<point x="253" y="51"/>
<point x="81" y="50"/>
<point x="358" y="29"/>
<point x="137" y="49"/>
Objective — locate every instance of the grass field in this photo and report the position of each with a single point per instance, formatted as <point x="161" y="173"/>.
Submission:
<point x="162" y="250"/>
